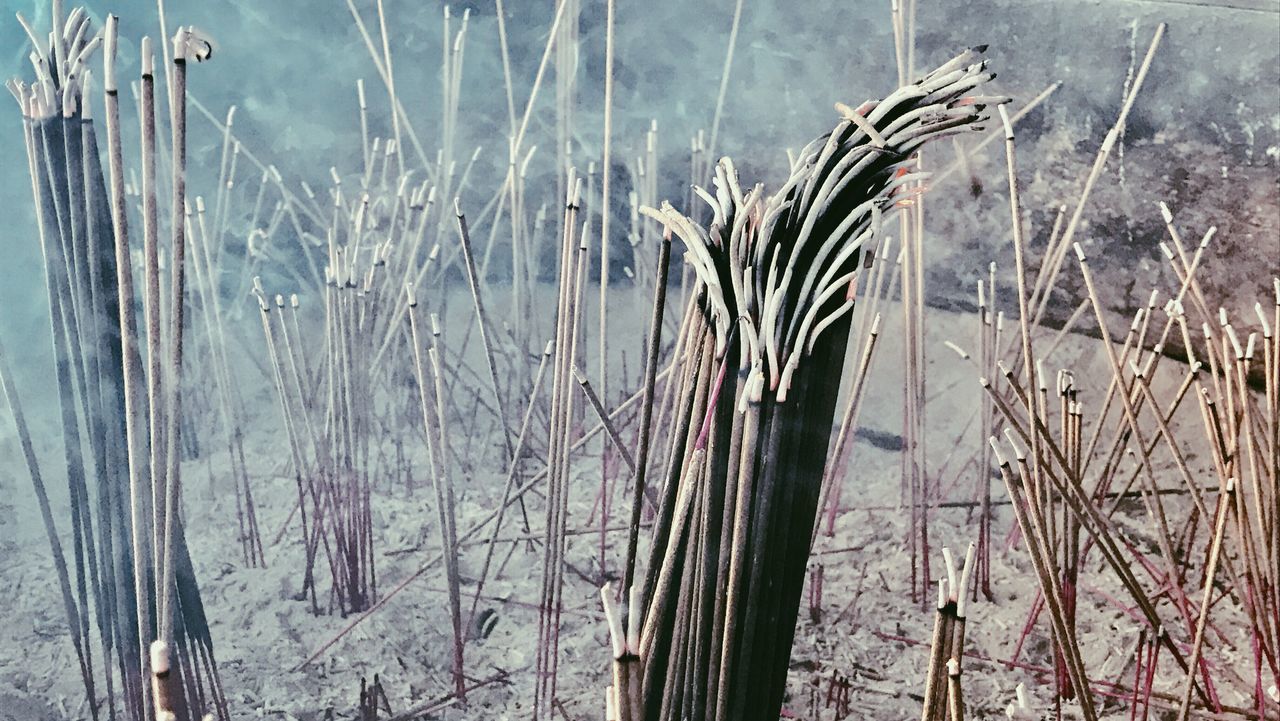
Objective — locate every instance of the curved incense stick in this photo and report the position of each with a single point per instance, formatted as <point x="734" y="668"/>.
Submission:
<point x="775" y="279"/>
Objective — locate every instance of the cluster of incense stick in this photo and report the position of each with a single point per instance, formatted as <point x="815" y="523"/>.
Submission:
<point x="943" y="696"/>
<point x="383" y="243"/>
<point x="991" y="341"/>
<point x="373" y="698"/>
<point x="389" y="248"/>
<point x="435" y="424"/>
<point x="385" y="231"/>
<point x="229" y="399"/>
<point x="917" y="488"/>
<point x="1221" y="545"/>
<point x="331" y="453"/>
<point x="377" y="255"/>
<point x="573" y="271"/>
<point x="133" y="574"/>
<point x="1215" y="555"/>
<point x="711" y="624"/>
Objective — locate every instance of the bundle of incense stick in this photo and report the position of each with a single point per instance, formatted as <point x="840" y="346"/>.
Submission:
<point x="715" y="614"/>
<point x="943" y="697"/>
<point x="133" y="574"/>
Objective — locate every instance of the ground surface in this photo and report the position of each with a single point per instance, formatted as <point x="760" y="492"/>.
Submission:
<point x="869" y="630"/>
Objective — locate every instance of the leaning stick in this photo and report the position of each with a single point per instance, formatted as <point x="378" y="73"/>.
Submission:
<point x="431" y="426"/>
<point x="512" y="472"/>
<point x="1225" y="502"/>
<point x="226" y="177"/>
<point x="606" y="218"/>
<point x="1029" y="365"/>
<point x="473" y="281"/>
<point x="848" y="422"/>
<point x="1053" y="256"/>
<point x="724" y="79"/>
<point x="594" y="399"/>
<point x="606" y="212"/>
<point x="506" y="64"/>
<point x="1109" y="142"/>
<point x="69" y="605"/>
<point x="391" y="85"/>
<point x="455" y="593"/>
<point x="248" y="537"/>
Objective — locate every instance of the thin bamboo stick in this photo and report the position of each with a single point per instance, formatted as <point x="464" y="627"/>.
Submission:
<point x="177" y="257"/>
<point x="606" y="219"/>
<point x="131" y="370"/>
<point x="482" y="319"/>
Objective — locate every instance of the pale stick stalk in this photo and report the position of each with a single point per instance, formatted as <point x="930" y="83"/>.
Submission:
<point x="151" y="303"/>
<point x="436" y="443"/>
<point x="1108" y="144"/>
<point x="512" y="475"/>
<point x="1225" y="501"/>
<point x="482" y="319"/>
<point x="131" y="372"/>
<point x="391" y="84"/>
<point x="69" y="606"/>
<point x="724" y="80"/>
<point x="177" y="276"/>
<point x="593" y="399"/>
<point x="848" y="422"/>
<point x="606" y="218"/>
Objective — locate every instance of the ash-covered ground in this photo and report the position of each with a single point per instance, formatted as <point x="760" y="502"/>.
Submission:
<point x="1204" y="137"/>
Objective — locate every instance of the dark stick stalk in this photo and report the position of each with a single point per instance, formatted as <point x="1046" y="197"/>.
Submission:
<point x="638" y="479"/>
